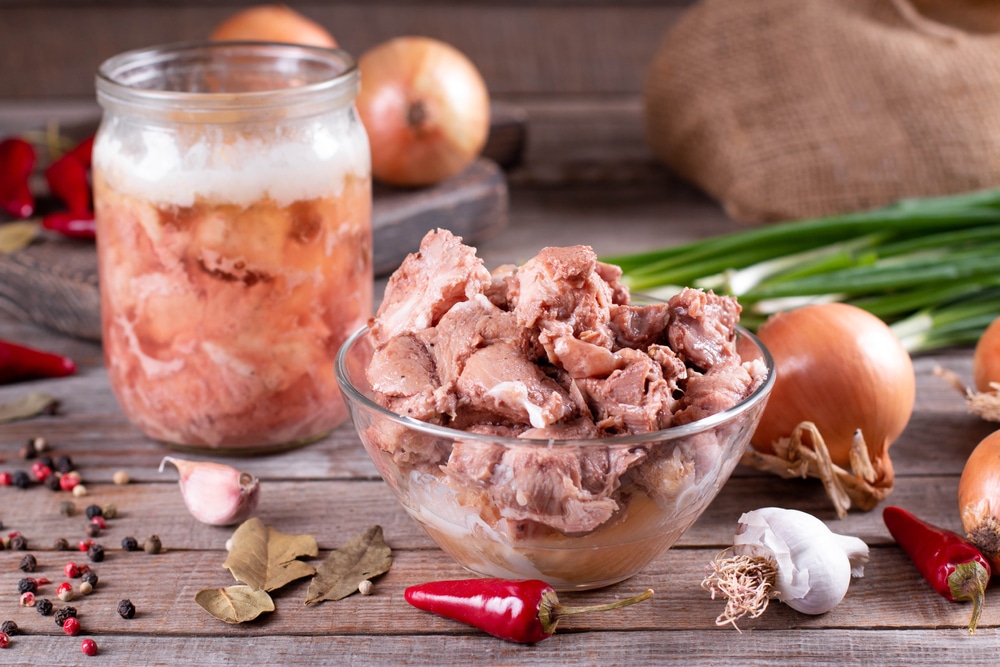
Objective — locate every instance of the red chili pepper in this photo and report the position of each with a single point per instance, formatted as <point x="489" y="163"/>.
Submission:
<point x="17" y="159"/>
<point x="67" y="176"/>
<point x="951" y="564"/>
<point x="74" y="225"/>
<point x="18" y="362"/>
<point x="519" y="611"/>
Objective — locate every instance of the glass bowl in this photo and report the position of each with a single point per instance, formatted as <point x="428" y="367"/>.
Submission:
<point x="672" y="476"/>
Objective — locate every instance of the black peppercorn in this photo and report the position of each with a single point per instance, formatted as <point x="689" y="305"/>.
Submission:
<point x="95" y="553"/>
<point x="28" y="563"/>
<point x="90" y="578"/>
<point x="10" y="627"/>
<point x="18" y="543"/>
<point x="130" y="544"/>
<point x="126" y="609"/>
<point x="52" y="481"/>
<point x="63" y="614"/>
<point x="21" y="480"/>
<point x="64" y="464"/>
<point x="92" y="530"/>
<point x="46" y="460"/>
<point x="60" y="545"/>
<point x="44" y="607"/>
<point x="94" y="510"/>
<point x="29" y="450"/>
<point x="27" y="585"/>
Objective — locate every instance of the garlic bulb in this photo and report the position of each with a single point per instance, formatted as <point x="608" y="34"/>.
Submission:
<point x="785" y="554"/>
<point x="214" y="493"/>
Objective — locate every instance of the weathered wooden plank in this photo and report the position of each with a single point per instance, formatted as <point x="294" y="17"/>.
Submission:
<point x="519" y="47"/>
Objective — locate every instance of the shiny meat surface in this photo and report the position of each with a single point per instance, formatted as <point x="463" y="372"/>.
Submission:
<point x="551" y="350"/>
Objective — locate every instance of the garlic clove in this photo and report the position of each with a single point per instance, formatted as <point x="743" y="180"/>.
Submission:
<point x="214" y="493"/>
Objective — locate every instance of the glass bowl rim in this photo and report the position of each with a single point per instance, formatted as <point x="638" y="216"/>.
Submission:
<point x="672" y="433"/>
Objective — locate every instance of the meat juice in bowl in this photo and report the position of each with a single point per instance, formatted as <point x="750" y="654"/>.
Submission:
<point x="232" y="195"/>
<point x="538" y="423"/>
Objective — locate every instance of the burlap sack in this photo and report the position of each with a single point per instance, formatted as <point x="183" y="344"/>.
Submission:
<point x="788" y="109"/>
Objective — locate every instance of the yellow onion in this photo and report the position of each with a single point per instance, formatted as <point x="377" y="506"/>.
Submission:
<point x="272" y="23"/>
<point x="842" y="369"/>
<point x="986" y="358"/>
<point x="979" y="498"/>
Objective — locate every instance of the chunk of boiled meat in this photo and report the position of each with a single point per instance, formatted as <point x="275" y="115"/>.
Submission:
<point x="640" y="326"/>
<point x="632" y="399"/>
<point x="560" y="284"/>
<point x="499" y="379"/>
<point x="428" y="283"/>
<point x="703" y="327"/>
<point x="717" y="390"/>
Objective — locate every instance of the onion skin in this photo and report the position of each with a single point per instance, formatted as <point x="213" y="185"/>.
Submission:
<point x="841" y="368"/>
<point x="979" y="498"/>
<point x="426" y="109"/>
<point x="986" y="358"/>
<point x="272" y="23"/>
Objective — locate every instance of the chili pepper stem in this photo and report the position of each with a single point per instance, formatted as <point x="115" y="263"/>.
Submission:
<point x="968" y="582"/>
<point x="550" y="611"/>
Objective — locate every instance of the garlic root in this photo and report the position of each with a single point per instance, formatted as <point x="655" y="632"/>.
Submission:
<point x="214" y="493"/>
<point x="745" y="580"/>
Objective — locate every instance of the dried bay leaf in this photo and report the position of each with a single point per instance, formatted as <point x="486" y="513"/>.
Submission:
<point x="339" y="575"/>
<point x="17" y="235"/>
<point x="265" y="559"/>
<point x="28" y="406"/>
<point x="236" y="604"/>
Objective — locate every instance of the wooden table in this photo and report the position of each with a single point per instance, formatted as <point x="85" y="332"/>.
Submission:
<point x="331" y="490"/>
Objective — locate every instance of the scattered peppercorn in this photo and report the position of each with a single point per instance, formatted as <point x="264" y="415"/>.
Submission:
<point x="71" y="626"/>
<point x="99" y="522"/>
<point x="72" y="570"/>
<point x="10" y="628"/>
<point x="109" y="511"/>
<point x="153" y="544"/>
<point x="88" y="646"/>
<point x="85" y="588"/>
<point x="60" y="545"/>
<point x="28" y="451"/>
<point x="63" y="614"/>
<point x="28" y="584"/>
<point x="68" y="482"/>
<point x="27" y="599"/>
<point x="53" y="482"/>
<point x="94" y="510"/>
<point x="4" y="640"/>
<point x="126" y="609"/>
<point x="18" y="543"/>
<point x="67" y="508"/>
<point x="130" y="544"/>
<point x="90" y="578"/>
<point x="64" y="464"/>
<point x="40" y="471"/>
<point x="21" y="479"/>
<point x="93" y="530"/>
<point x="6" y="479"/>
<point x="95" y="553"/>
<point x="79" y="490"/>
<point x="28" y="563"/>
<point x="41" y="444"/>
<point x="366" y="587"/>
<point x="47" y="461"/>
<point x="65" y="591"/>
<point x="44" y="606"/>
<point x="83" y="545"/>
<point x="120" y="478"/>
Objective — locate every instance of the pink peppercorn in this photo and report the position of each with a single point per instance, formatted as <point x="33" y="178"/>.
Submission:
<point x="41" y="581"/>
<point x="67" y="482"/>
<point x="99" y="522"/>
<point x="83" y="545"/>
<point x="4" y="640"/>
<point x="71" y="626"/>
<point x="72" y="570"/>
<point x="27" y="599"/>
<point x="64" y="586"/>
<point x="40" y="471"/>
<point x="6" y="479"/>
<point x="89" y="647"/>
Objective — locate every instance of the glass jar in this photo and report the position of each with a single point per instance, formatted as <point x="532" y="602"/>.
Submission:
<point x="232" y="190"/>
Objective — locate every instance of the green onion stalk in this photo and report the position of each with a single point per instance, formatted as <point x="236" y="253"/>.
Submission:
<point x="928" y="267"/>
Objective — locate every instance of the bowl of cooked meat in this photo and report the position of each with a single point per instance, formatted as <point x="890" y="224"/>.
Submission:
<point x="538" y="421"/>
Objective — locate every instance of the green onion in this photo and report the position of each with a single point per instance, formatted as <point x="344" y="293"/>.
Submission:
<point x="929" y="267"/>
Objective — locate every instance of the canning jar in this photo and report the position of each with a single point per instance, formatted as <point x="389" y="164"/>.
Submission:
<point x="232" y="190"/>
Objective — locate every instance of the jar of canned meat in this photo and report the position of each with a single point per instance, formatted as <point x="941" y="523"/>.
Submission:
<point x="232" y="189"/>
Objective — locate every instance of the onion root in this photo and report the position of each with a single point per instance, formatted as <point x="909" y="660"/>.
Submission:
<point x="805" y="454"/>
<point x="983" y="404"/>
